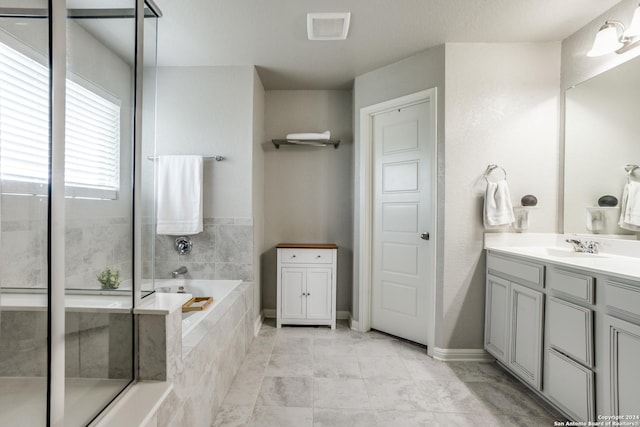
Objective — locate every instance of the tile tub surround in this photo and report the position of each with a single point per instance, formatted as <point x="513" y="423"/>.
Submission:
<point x="91" y="245"/>
<point x="312" y="376"/>
<point x="98" y="345"/>
<point x="202" y="364"/>
<point x="224" y="250"/>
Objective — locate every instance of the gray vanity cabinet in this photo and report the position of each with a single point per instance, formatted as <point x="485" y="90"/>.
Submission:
<point x="569" y="359"/>
<point x="571" y="333"/>
<point x="622" y="326"/>
<point x="514" y="315"/>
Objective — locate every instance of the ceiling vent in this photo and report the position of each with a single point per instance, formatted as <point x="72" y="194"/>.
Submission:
<point x="328" y="26"/>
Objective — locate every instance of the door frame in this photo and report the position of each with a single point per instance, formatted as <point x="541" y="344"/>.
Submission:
<point x="365" y="200"/>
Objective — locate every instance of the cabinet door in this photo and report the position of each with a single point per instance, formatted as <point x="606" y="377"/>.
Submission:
<point x="293" y="304"/>
<point x="319" y="293"/>
<point x="525" y="335"/>
<point x="624" y="354"/>
<point x="496" y="320"/>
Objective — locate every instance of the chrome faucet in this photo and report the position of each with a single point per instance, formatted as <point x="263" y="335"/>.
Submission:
<point x="590" y="247"/>
<point x="179" y="271"/>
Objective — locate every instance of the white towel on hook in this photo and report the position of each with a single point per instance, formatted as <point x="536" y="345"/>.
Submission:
<point x="498" y="210"/>
<point x="324" y="136"/>
<point x="179" y="195"/>
<point x="630" y="207"/>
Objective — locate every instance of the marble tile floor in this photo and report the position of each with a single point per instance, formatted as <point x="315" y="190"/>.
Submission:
<point x="313" y="376"/>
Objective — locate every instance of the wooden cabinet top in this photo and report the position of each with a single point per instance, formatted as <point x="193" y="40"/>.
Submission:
<point x="307" y="245"/>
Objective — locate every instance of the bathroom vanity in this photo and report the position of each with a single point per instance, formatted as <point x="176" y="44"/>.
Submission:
<point x="567" y="324"/>
<point x="306" y="285"/>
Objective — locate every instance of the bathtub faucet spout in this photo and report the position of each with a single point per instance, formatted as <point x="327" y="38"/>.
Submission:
<point x="181" y="270"/>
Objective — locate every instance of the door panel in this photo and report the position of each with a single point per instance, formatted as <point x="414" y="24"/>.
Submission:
<point x="525" y="352"/>
<point x="293" y="290"/>
<point x="318" y="293"/>
<point x="496" y="322"/>
<point x="403" y="143"/>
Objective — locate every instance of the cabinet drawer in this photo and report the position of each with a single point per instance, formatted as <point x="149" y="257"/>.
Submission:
<point x="570" y="386"/>
<point x="306" y="256"/>
<point x="622" y="298"/>
<point x="528" y="272"/>
<point x="572" y="284"/>
<point x="571" y="330"/>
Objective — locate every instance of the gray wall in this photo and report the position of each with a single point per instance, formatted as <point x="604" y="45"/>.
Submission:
<point x="422" y="71"/>
<point x="210" y="111"/>
<point x="502" y="107"/>
<point x="257" y="188"/>
<point x="497" y="103"/>
<point x="308" y="190"/>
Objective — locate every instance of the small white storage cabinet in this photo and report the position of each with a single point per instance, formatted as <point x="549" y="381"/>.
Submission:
<point x="306" y="290"/>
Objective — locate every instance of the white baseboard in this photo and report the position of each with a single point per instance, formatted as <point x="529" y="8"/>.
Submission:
<point x="459" y="354"/>
<point x="257" y="324"/>
<point x="270" y="313"/>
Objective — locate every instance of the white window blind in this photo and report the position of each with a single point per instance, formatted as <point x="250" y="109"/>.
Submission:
<point x="92" y="148"/>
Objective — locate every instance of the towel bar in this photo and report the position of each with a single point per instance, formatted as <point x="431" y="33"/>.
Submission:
<point x="216" y="158"/>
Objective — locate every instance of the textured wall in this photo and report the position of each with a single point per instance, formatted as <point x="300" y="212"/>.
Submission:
<point x="419" y="72"/>
<point x="501" y="107"/>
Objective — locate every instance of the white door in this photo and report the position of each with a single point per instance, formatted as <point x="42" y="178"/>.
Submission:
<point x="403" y="147"/>
<point x="294" y="301"/>
<point x="319" y="293"/>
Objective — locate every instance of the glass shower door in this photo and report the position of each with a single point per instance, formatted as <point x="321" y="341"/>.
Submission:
<point x="24" y="185"/>
<point x="100" y="96"/>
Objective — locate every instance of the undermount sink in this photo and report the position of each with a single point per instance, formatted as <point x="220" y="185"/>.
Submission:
<point x="565" y="253"/>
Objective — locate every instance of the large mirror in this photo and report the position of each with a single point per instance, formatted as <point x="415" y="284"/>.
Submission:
<point x="602" y="137"/>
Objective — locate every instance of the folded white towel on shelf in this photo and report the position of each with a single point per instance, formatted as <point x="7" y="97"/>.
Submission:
<point x="630" y="207"/>
<point x="498" y="210"/>
<point x="324" y="136"/>
<point x="179" y="195"/>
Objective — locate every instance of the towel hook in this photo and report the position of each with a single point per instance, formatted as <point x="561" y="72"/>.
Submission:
<point x="630" y="169"/>
<point x="492" y="168"/>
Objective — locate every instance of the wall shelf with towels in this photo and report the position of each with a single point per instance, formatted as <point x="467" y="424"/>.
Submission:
<point x="306" y="142"/>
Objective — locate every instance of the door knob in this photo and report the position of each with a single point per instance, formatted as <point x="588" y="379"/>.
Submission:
<point x="424" y="236"/>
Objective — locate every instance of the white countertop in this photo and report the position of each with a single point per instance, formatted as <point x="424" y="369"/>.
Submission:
<point x="162" y="303"/>
<point x="76" y="303"/>
<point x="616" y="257"/>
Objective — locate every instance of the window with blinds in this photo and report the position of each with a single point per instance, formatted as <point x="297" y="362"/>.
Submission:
<point x="92" y="147"/>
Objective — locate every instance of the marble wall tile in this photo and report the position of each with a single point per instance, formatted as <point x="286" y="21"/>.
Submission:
<point x="152" y="348"/>
<point x="205" y="372"/>
<point x="235" y="244"/>
<point x="23" y="343"/>
<point x="224" y="250"/>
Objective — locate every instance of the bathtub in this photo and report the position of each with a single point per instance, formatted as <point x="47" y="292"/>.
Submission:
<point x="218" y="289"/>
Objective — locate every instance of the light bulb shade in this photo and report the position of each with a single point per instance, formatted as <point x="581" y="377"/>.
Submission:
<point x="634" y="27"/>
<point x="606" y="41"/>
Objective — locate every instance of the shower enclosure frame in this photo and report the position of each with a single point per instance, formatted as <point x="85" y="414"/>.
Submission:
<point x="57" y="15"/>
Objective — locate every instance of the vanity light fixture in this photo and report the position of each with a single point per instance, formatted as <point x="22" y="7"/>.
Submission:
<point x="612" y="37"/>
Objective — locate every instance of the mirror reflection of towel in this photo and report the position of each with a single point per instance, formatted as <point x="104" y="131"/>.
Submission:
<point x="630" y="207"/>
<point x="498" y="210"/>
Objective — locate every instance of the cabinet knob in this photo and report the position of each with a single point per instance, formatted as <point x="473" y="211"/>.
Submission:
<point x="319" y="256"/>
<point x="293" y="256"/>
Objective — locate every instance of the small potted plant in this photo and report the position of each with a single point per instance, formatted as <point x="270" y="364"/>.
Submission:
<point x="109" y="279"/>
